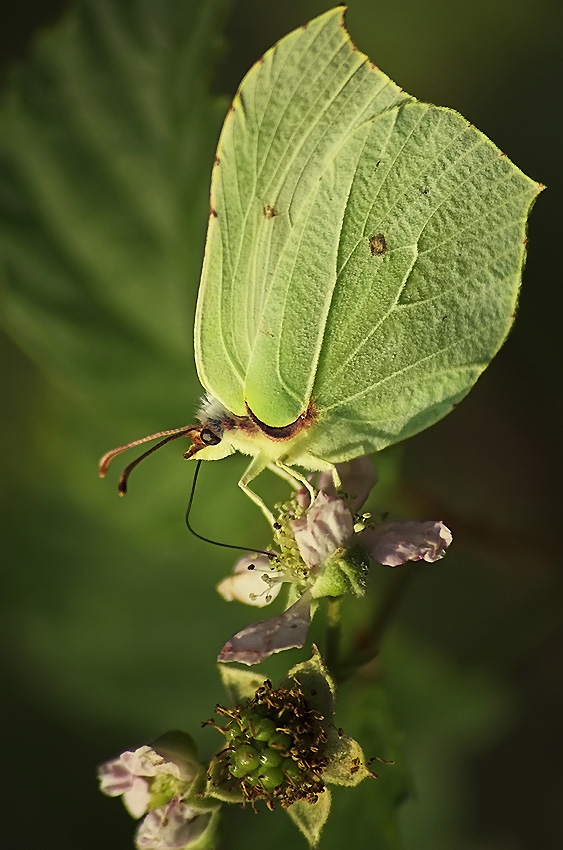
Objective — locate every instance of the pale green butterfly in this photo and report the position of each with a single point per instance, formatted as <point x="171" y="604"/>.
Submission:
<point x="362" y="264"/>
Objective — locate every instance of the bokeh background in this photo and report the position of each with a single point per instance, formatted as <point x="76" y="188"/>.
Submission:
<point x="110" y="621"/>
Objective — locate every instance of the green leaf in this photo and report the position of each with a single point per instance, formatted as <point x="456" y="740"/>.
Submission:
<point x="239" y="684"/>
<point x="372" y="807"/>
<point x="316" y="683"/>
<point x="105" y="134"/>
<point x="311" y="817"/>
<point x="347" y="765"/>
<point x="106" y="137"/>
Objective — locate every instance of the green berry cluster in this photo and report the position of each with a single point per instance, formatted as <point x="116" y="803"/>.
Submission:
<point x="274" y="748"/>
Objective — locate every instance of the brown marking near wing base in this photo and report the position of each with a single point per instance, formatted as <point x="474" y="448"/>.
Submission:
<point x="285" y="432"/>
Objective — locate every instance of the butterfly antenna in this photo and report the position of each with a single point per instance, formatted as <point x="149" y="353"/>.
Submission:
<point x="172" y="434"/>
<point x="208" y="539"/>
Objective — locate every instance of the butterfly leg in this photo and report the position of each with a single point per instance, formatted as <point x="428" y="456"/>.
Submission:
<point x="255" y="468"/>
<point x="336" y="479"/>
<point x="293" y="477"/>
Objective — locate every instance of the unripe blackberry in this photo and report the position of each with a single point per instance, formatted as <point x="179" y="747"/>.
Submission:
<point x="274" y="751"/>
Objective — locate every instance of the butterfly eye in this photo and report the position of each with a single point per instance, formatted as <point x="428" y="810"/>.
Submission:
<point x="209" y="437"/>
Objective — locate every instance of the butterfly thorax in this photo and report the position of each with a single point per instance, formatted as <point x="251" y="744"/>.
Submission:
<point x="250" y="436"/>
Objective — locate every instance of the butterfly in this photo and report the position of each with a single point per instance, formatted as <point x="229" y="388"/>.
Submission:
<point x="362" y="263"/>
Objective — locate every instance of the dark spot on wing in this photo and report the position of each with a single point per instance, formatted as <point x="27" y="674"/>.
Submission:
<point x="269" y="211"/>
<point x="377" y="245"/>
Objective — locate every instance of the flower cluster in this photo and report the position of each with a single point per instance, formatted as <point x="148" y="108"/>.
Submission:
<point x="323" y="548"/>
<point x="280" y="746"/>
<point x="159" y="781"/>
<point x="274" y="746"/>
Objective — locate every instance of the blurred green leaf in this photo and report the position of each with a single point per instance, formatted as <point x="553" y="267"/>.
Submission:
<point x="371" y="808"/>
<point x="105" y="153"/>
<point x="106" y="143"/>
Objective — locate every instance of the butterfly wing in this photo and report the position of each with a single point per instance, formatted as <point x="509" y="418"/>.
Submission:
<point x="429" y="265"/>
<point x="364" y="250"/>
<point x="273" y="236"/>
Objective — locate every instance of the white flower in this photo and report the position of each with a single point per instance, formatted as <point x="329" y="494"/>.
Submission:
<point x="116" y="780"/>
<point x="327" y="526"/>
<point x="132" y="774"/>
<point x="394" y="543"/>
<point x="323" y="552"/>
<point x="254" y="581"/>
<point x="275" y="634"/>
<point x="172" y="827"/>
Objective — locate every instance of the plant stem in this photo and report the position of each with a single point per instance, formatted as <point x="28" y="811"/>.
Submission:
<point x="368" y="642"/>
<point x="333" y="633"/>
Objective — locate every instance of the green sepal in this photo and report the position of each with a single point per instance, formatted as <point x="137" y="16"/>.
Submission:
<point x="239" y="685"/>
<point x="347" y="762"/>
<point x="164" y="788"/>
<point x="197" y="797"/>
<point x="316" y="683"/>
<point x="177" y="747"/>
<point x="180" y="748"/>
<point x="310" y="818"/>
<point x="210" y="839"/>
<point x="346" y="572"/>
<point x="226" y="791"/>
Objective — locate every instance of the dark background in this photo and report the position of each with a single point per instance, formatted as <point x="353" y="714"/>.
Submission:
<point x="110" y="619"/>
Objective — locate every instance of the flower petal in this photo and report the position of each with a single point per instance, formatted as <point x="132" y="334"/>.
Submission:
<point x="144" y="761"/>
<point x="136" y="799"/>
<point x="259" y="640"/>
<point x="247" y="583"/>
<point x="326" y="527"/>
<point x="394" y="543"/>
<point x="173" y="827"/>
<point x="115" y="778"/>
<point x="357" y="479"/>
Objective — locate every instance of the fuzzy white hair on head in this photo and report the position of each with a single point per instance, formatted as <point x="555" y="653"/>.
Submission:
<point x="212" y="410"/>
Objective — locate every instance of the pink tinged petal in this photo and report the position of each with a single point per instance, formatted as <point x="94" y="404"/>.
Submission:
<point x="264" y="638"/>
<point x="303" y="497"/>
<point x="325" y="482"/>
<point x="326" y="527"/>
<point x="146" y="762"/>
<point x="247" y="585"/>
<point x="115" y="778"/>
<point x="136" y="799"/>
<point x="358" y="477"/>
<point x="394" y="543"/>
<point x="173" y="827"/>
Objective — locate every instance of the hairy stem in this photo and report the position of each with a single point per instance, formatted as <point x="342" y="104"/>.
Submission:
<point x="333" y="633"/>
<point x="367" y="643"/>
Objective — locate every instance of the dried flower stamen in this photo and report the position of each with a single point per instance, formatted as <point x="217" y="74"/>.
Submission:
<point x="275" y="746"/>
